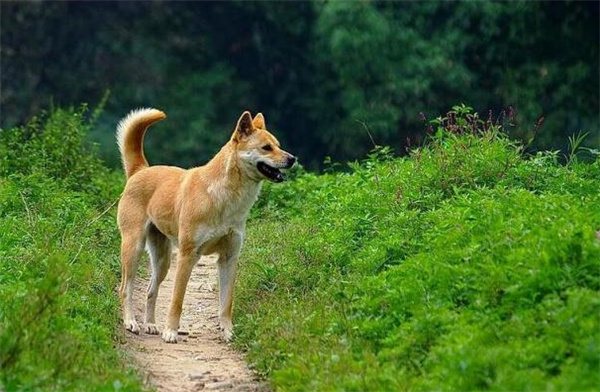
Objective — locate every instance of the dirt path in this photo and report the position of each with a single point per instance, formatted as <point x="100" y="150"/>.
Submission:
<point x="200" y="360"/>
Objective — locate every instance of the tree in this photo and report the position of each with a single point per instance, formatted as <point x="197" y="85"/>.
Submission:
<point x="325" y="74"/>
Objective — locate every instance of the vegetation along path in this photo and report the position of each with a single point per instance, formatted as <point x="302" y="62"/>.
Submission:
<point x="201" y="360"/>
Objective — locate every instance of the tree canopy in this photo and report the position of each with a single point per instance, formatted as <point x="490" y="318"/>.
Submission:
<point x="332" y="78"/>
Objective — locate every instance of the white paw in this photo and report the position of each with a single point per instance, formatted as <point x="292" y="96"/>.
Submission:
<point x="132" y="325"/>
<point x="226" y="326"/>
<point x="227" y="335"/>
<point x="169" y="335"/>
<point x="151" y="329"/>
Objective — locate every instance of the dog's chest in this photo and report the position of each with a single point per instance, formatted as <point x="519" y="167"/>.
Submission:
<point x="238" y="208"/>
<point x="233" y="210"/>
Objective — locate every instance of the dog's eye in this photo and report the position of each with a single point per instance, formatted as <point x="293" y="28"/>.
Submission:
<point x="267" y="147"/>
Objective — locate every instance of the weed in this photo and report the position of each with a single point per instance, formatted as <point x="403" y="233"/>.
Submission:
<point x="467" y="265"/>
<point x="58" y="245"/>
<point x="575" y="142"/>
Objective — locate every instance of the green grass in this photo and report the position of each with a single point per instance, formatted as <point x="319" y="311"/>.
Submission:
<point x="59" y="249"/>
<point x="465" y="266"/>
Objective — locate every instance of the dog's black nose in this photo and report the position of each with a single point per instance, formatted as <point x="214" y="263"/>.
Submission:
<point x="291" y="160"/>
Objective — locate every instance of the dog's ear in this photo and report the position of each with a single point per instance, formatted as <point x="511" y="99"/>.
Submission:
<point x="244" y="127"/>
<point x="259" y="121"/>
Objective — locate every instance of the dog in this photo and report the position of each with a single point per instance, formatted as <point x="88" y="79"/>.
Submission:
<point x="202" y="211"/>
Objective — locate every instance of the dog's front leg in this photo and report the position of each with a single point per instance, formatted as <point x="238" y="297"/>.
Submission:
<point x="227" y="264"/>
<point x="185" y="263"/>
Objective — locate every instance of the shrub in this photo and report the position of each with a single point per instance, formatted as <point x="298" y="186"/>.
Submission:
<point x="464" y="266"/>
<point x="54" y="145"/>
<point x="58" y="245"/>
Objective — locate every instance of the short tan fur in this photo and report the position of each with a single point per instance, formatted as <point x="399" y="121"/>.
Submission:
<point x="202" y="211"/>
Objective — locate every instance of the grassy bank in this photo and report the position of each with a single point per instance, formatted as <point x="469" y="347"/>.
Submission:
<point x="465" y="266"/>
<point x="59" y="250"/>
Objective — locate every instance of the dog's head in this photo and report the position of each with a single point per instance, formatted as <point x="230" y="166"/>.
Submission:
<point x="258" y="150"/>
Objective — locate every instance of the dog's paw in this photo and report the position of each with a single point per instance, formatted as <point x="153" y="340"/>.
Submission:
<point x="169" y="335"/>
<point x="151" y="329"/>
<point x="226" y="326"/>
<point x="132" y="326"/>
<point x="227" y="335"/>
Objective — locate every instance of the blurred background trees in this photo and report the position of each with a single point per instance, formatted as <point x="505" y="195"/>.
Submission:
<point x="325" y="74"/>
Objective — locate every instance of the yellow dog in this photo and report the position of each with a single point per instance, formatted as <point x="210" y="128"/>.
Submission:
<point x="202" y="211"/>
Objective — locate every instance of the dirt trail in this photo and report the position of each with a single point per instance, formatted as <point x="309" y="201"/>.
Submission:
<point x="201" y="360"/>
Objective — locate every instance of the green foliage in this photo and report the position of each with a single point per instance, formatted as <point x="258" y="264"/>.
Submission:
<point x="54" y="145"/>
<point x="322" y="72"/>
<point x="465" y="266"/>
<point x="575" y="142"/>
<point x="59" y="251"/>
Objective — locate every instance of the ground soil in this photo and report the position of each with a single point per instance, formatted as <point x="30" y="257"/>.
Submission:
<point x="201" y="360"/>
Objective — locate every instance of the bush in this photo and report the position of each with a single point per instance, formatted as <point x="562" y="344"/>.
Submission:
<point x="59" y="251"/>
<point x="465" y="266"/>
<point x="54" y="145"/>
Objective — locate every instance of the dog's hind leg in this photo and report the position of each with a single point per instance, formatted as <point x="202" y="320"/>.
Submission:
<point x="159" y="249"/>
<point x="132" y="244"/>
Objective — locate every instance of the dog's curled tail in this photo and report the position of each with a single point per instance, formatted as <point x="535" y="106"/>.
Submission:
<point x="130" y="137"/>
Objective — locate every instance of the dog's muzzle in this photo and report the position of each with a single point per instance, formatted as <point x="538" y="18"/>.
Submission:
<point x="290" y="161"/>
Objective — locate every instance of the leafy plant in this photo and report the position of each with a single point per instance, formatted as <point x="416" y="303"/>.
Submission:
<point x="58" y="245"/>
<point x="467" y="265"/>
<point x="575" y="145"/>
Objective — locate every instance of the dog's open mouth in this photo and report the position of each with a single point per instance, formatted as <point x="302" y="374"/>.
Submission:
<point x="270" y="172"/>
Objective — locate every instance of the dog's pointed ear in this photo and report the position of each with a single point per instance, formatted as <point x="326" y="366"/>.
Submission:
<point x="259" y="121"/>
<point x="244" y="127"/>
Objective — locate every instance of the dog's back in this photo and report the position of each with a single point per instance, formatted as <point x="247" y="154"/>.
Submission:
<point x="202" y="210"/>
<point x="153" y="191"/>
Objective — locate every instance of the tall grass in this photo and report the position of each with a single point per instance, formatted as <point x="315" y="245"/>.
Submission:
<point x="59" y="268"/>
<point x="464" y="266"/>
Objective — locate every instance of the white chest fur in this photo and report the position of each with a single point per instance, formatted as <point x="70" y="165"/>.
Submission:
<point x="231" y="211"/>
